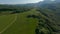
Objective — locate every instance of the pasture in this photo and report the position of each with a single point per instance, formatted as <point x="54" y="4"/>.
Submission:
<point x="18" y="23"/>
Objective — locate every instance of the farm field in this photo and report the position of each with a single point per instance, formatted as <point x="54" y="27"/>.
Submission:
<point x="19" y="23"/>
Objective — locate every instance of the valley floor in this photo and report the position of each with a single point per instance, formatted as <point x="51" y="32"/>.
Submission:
<point x="18" y="23"/>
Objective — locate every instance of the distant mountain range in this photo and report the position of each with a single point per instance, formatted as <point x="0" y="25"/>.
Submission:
<point x="39" y="4"/>
<point x="44" y="4"/>
<point x="48" y="2"/>
<point x="52" y="5"/>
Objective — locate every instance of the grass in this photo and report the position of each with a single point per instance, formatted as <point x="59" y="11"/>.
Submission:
<point x="23" y="25"/>
<point x="5" y="20"/>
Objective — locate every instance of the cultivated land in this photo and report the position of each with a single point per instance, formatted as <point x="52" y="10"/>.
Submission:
<point x="18" y="23"/>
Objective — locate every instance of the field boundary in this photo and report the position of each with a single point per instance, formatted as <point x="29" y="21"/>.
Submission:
<point x="9" y="25"/>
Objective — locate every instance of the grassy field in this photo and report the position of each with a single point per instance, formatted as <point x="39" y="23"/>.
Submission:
<point x="5" y="20"/>
<point x="21" y="25"/>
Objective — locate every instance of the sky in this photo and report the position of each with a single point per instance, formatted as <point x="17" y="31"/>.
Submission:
<point x="18" y="1"/>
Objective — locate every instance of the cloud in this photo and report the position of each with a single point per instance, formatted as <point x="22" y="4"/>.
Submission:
<point x="18" y="1"/>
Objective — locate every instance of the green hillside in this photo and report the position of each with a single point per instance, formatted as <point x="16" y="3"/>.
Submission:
<point x="22" y="24"/>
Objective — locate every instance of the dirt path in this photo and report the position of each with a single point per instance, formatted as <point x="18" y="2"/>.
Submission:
<point x="9" y="25"/>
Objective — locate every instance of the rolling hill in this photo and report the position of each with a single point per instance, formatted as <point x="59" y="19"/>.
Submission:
<point x="34" y="18"/>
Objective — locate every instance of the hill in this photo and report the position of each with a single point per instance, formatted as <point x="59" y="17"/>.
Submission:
<point x="34" y="18"/>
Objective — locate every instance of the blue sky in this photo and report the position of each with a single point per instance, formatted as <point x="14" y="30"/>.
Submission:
<point x="18" y="1"/>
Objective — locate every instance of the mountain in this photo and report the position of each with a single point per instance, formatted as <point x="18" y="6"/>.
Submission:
<point x="53" y="6"/>
<point x="51" y="9"/>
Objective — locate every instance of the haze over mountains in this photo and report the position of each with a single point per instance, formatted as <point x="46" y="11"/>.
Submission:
<point x="41" y="3"/>
<point x="38" y="3"/>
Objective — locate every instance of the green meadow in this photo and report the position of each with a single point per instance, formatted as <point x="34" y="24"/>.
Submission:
<point x="20" y="23"/>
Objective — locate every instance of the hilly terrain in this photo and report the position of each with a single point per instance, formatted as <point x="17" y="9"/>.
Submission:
<point x="35" y="18"/>
<point x="52" y="11"/>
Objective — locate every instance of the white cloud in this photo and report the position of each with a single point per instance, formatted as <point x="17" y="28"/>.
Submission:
<point x="52" y="0"/>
